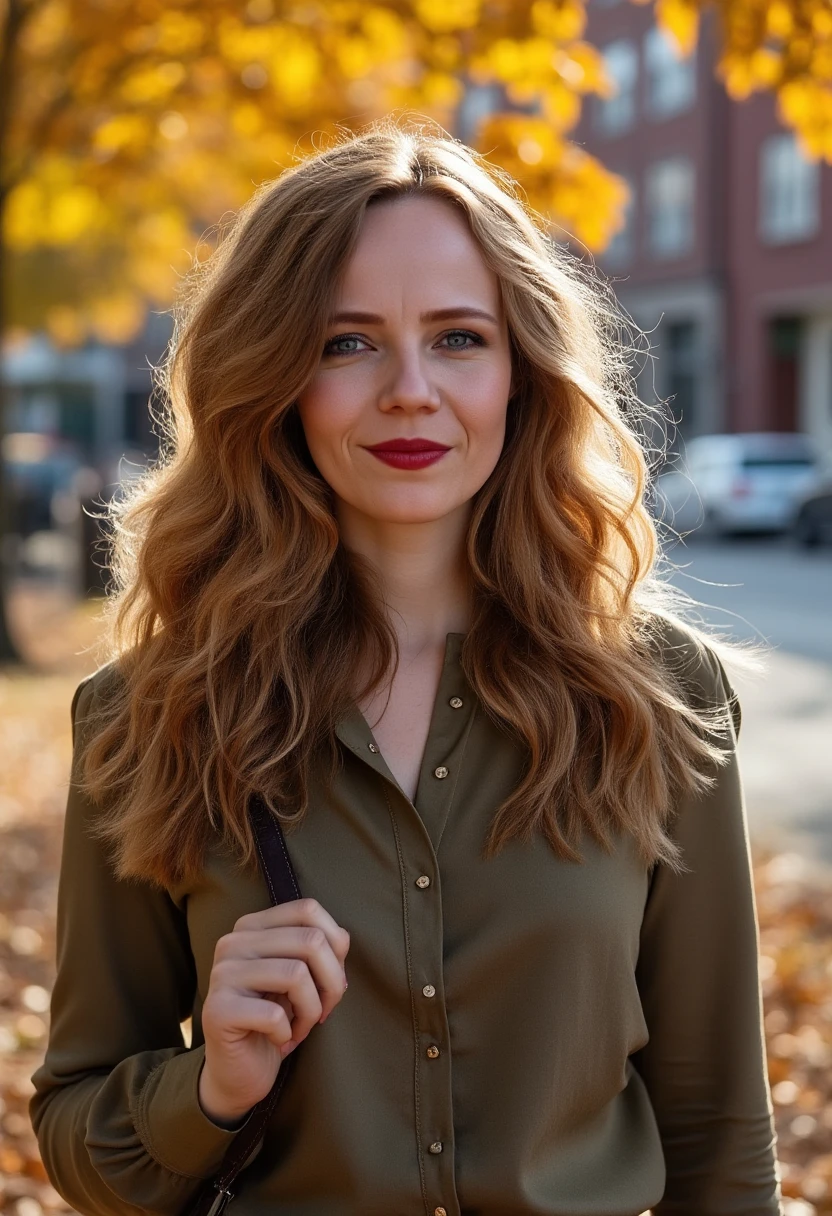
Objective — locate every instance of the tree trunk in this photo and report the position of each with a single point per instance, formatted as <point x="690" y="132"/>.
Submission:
<point x="9" y="35"/>
<point x="8" y="650"/>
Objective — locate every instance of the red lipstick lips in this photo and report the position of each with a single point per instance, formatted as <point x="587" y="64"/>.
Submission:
<point x="409" y="453"/>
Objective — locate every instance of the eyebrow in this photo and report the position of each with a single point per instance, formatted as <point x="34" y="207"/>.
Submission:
<point x="436" y="314"/>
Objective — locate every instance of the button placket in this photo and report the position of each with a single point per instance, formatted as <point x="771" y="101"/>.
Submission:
<point x="421" y="892"/>
<point x="452" y="715"/>
<point x="443" y="752"/>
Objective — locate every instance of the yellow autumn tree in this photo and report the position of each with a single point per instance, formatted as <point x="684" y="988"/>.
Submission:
<point x="129" y="128"/>
<point x="136" y="125"/>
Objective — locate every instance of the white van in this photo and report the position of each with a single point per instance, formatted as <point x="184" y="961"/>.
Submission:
<point x="752" y="482"/>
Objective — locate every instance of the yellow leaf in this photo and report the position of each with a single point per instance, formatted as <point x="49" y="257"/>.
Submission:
<point x="355" y="57"/>
<point x="560" y="22"/>
<point x="343" y="12"/>
<point x="164" y="228"/>
<point x="505" y="59"/>
<point x="156" y="278"/>
<point x="779" y="20"/>
<point x="147" y="85"/>
<point x="72" y="213"/>
<point x="384" y="28"/>
<point x="445" y="52"/>
<point x="23" y="220"/>
<point x="247" y="119"/>
<point x="242" y="44"/>
<point x="736" y="73"/>
<point x="679" y="18"/>
<point x="439" y="89"/>
<point x="116" y="318"/>
<point x="562" y="107"/>
<point x="821" y="65"/>
<point x="582" y="67"/>
<point x="45" y="28"/>
<point x="441" y="16"/>
<point x="121" y="131"/>
<point x="296" y="70"/>
<point x="822" y="21"/>
<point x="178" y="33"/>
<point x="795" y="102"/>
<point x="65" y="326"/>
<point x="765" y="67"/>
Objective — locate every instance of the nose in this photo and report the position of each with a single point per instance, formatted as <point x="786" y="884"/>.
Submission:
<point x="409" y="386"/>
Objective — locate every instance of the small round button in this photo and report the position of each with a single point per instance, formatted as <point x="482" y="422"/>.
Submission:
<point x="432" y="1052"/>
<point x="436" y="1147"/>
<point x="440" y="772"/>
<point x="372" y="747"/>
<point x="439" y="1212"/>
<point x="428" y="990"/>
<point x="423" y="881"/>
<point x="455" y="702"/>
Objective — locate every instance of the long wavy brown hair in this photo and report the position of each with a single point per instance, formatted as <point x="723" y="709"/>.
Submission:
<point x="237" y="620"/>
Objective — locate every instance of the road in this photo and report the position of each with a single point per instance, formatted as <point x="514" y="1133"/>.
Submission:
<point x="764" y="590"/>
<point x="771" y="592"/>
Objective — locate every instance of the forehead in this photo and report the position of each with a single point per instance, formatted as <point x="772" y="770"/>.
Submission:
<point x="417" y="245"/>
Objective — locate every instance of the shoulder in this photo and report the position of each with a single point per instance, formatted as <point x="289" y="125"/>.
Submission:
<point x="94" y="692"/>
<point x="681" y="648"/>
<point x="693" y="661"/>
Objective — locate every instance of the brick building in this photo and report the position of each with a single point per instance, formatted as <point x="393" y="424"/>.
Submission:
<point x="726" y="256"/>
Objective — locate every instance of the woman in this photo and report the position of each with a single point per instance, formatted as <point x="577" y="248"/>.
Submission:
<point x="507" y="771"/>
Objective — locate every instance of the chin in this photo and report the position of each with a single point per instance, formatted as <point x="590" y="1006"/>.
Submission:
<point x="411" y="512"/>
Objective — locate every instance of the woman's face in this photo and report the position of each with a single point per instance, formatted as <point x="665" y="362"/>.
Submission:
<point x="417" y="348"/>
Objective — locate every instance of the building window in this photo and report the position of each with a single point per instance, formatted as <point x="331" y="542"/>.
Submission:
<point x="670" y="207"/>
<point x="621" y="247"/>
<point x="671" y="79"/>
<point x="683" y="362"/>
<point x="789" y="191"/>
<point x="479" y="102"/>
<point x="617" y="113"/>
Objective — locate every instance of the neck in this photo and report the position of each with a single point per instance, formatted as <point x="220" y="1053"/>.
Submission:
<point x="423" y="569"/>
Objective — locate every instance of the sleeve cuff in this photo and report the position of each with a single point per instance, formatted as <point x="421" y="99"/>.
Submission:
<point x="173" y="1126"/>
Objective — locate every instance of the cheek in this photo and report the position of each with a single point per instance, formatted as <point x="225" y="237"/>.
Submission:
<point x="325" y="415"/>
<point x="484" y="408"/>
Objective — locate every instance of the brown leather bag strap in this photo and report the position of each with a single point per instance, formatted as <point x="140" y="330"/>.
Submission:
<point x="282" y="884"/>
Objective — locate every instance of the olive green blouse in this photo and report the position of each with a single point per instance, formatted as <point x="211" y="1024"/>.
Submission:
<point x="520" y="1037"/>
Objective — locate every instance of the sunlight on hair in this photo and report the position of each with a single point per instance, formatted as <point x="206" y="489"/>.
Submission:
<point x="238" y="619"/>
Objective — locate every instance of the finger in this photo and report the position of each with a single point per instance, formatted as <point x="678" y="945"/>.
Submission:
<point x="243" y="1014"/>
<point x="307" y="942"/>
<point x="298" y="912"/>
<point x="289" y="976"/>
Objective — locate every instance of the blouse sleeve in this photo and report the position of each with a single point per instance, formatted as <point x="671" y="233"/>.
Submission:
<point x="116" y="1109"/>
<point x="705" y="1064"/>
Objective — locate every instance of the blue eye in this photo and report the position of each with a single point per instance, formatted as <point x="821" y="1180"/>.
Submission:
<point x="350" y="344"/>
<point x="466" y="335"/>
<point x="331" y="347"/>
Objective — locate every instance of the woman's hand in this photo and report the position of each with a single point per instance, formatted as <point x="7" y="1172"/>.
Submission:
<point x="274" y="976"/>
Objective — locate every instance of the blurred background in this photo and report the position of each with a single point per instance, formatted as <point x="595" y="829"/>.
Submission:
<point x="682" y="146"/>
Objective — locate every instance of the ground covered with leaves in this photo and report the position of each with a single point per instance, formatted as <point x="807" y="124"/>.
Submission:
<point x="794" y="903"/>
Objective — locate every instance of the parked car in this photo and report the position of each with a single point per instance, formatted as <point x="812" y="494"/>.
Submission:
<point x="38" y="468"/>
<point x="728" y="484"/>
<point x="813" y="522"/>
